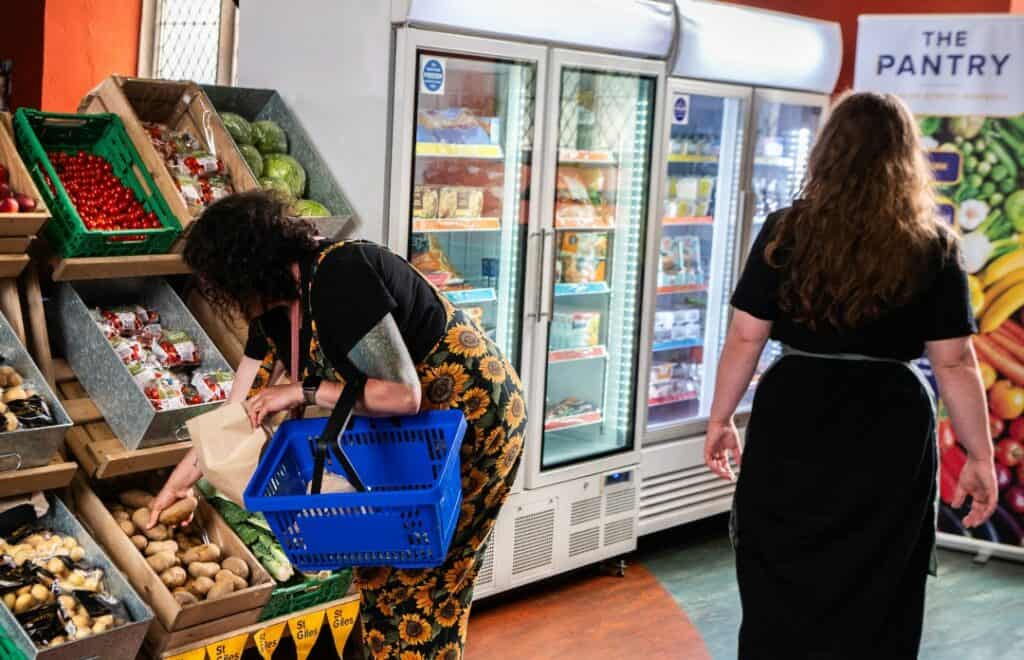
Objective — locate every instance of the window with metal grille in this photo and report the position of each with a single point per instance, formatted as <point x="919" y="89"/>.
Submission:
<point x="188" y="40"/>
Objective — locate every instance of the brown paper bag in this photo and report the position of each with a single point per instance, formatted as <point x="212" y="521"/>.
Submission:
<point x="228" y="448"/>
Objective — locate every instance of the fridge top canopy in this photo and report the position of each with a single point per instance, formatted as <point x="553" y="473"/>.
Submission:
<point x="730" y="43"/>
<point x="644" y="28"/>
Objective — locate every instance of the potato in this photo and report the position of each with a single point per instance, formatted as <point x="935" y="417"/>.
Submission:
<point x="34" y="540"/>
<point x="161" y="561"/>
<point x="83" y="633"/>
<point x="91" y="584"/>
<point x="15" y="393"/>
<point x="201" y="586"/>
<point x="58" y="640"/>
<point x="220" y="589"/>
<point x="40" y="593"/>
<point x="21" y="557"/>
<point x="11" y="598"/>
<point x="24" y="590"/>
<point x="179" y="512"/>
<point x="23" y="603"/>
<point x="208" y="552"/>
<point x="203" y="569"/>
<point x="174" y="577"/>
<point x="98" y="628"/>
<point x="76" y="579"/>
<point x="224" y="575"/>
<point x="185" y="598"/>
<point x="107" y="619"/>
<point x="161" y="546"/>
<point x="135" y="499"/>
<point x="56" y="566"/>
<point x="237" y="566"/>
<point x="77" y="553"/>
<point x="127" y="527"/>
<point x="70" y="542"/>
<point x="140" y="541"/>
<point x="184" y="543"/>
<point x="157" y="533"/>
<point x="67" y="602"/>
<point x="140" y="518"/>
<point x="81" y="621"/>
<point x="121" y="515"/>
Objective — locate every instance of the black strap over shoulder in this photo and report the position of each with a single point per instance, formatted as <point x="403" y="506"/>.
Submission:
<point x="330" y="439"/>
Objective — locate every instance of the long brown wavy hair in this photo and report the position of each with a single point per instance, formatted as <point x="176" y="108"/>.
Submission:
<point x="865" y="226"/>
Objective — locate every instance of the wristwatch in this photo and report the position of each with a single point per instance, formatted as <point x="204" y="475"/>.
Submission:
<point x="309" y="389"/>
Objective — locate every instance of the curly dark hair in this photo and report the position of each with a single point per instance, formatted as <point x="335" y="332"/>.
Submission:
<point x="241" y="250"/>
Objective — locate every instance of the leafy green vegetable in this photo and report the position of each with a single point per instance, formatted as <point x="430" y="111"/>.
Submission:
<point x="968" y="126"/>
<point x="929" y="125"/>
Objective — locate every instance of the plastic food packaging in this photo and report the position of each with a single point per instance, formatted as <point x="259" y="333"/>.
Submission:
<point x="583" y="257"/>
<point x="176" y="348"/>
<point x="569" y="407"/>
<point x="128" y="349"/>
<point x="424" y="202"/>
<point x="460" y="202"/>
<point x="213" y="385"/>
<point x="662" y="372"/>
<point x="32" y="412"/>
<point x="575" y="329"/>
<point x="165" y="393"/>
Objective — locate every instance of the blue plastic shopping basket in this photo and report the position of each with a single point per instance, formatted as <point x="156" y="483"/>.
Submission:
<point x="405" y="518"/>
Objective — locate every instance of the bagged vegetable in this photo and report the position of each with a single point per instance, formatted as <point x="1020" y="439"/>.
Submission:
<point x="176" y="348"/>
<point x="213" y="385"/>
<point x="165" y="393"/>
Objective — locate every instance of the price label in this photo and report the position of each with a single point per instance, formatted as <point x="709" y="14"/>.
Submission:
<point x="228" y="649"/>
<point x="267" y="639"/>
<point x="342" y="619"/>
<point x="305" y="630"/>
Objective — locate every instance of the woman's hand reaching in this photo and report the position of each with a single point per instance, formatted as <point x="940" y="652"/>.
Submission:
<point x="723" y="439"/>
<point x="168" y="495"/>
<point x="977" y="479"/>
<point x="272" y="400"/>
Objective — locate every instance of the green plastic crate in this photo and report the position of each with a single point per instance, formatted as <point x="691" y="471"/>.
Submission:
<point x="8" y="650"/>
<point x="285" y="600"/>
<point x="38" y="133"/>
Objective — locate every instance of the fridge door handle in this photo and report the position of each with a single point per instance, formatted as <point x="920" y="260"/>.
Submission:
<point x="547" y="313"/>
<point x="535" y="314"/>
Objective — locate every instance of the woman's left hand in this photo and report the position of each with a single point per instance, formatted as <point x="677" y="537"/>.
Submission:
<point x="723" y="440"/>
<point x="272" y="400"/>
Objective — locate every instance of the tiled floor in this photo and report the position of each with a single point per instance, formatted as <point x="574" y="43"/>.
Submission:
<point x="975" y="611"/>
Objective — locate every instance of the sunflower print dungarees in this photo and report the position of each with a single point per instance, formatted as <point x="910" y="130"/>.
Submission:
<point x="424" y="614"/>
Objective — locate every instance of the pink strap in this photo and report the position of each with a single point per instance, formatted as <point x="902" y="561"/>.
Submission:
<point x="295" y="312"/>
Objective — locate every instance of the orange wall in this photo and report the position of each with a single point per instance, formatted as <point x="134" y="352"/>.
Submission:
<point x="845" y="12"/>
<point x="86" y="41"/>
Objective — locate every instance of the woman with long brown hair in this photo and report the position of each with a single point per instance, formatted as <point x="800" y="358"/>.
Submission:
<point x="834" y="515"/>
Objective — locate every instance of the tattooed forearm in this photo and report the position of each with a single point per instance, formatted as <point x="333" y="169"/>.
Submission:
<point x="382" y="354"/>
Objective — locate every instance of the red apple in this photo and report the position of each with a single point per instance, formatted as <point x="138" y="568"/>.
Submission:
<point x="4" y="176"/>
<point x="5" y="190"/>
<point x="25" y="203"/>
<point x="8" y="205"/>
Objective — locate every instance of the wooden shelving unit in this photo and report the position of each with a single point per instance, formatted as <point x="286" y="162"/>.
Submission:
<point x="106" y="268"/>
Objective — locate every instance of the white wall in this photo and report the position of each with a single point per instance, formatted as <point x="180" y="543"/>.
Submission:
<point x="330" y="60"/>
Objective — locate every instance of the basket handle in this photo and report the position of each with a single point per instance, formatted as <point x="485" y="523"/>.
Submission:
<point x="329" y="440"/>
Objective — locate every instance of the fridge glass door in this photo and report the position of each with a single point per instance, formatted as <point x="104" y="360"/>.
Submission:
<point x="784" y="134"/>
<point x="698" y="232"/>
<point x="470" y="193"/>
<point x="605" y="125"/>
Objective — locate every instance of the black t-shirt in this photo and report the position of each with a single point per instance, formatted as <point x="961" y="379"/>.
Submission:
<point x="355" y="286"/>
<point x="942" y="309"/>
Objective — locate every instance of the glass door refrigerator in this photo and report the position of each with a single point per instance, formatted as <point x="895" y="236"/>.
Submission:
<point x="701" y="219"/>
<point x="465" y="127"/>
<point x="601" y="118"/>
<point x="785" y="125"/>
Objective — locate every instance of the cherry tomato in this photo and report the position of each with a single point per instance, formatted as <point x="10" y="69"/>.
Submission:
<point x="1009" y="452"/>
<point x="1014" y="499"/>
<point x="1017" y="429"/>
<point x="1006" y="400"/>
<point x="988" y="374"/>
<point x="995" y="426"/>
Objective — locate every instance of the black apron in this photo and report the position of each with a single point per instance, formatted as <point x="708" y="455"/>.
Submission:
<point x="834" y="514"/>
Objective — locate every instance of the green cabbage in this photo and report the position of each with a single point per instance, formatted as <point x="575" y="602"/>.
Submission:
<point x="308" y="208"/>
<point x="252" y="156"/>
<point x="282" y="167"/>
<point x="269" y="138"/>
<point x="279" y="188"/>
<point x="238" y="127"/>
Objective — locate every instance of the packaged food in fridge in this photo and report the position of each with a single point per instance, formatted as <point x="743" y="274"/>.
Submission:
<point x="663" y="323"/>
<point x="176" y="348"/>
<point x="213" y="385"/>
<point x="460" y="202"/>
<point x="569" y="407"/>
<point x="424" y="201"/>
<point x="583" y="257"/>
<point x="690" y="259"/>
<point x="661" y="389"/>
<point x="428" y="258"/>
<point x="456" y="126"/>
<point x="575" y="329"/>
<point x="662" y="371"/>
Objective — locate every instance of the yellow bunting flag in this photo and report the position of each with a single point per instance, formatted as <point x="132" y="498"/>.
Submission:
<point x="342" y="619"/>
<point x="305" y="629"/>
<point x="267" y="639"/>
<point x="194" y="654"/>
<point x="230" y="648"/>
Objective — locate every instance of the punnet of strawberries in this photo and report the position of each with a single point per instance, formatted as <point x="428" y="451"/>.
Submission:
<point x="103" y="202"/>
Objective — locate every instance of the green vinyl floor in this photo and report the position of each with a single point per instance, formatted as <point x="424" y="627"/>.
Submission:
<point x="974" y="611"/>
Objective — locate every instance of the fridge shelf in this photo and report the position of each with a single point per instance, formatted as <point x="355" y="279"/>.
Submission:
<point x="584" y="157"/>
<point x="446" y="150"/>
<point x="695" y="220"/>
<point x="691" y="158"/>
<point x="773" y="161"/>
<point x="576" y="354"/>
<point x="581" y="289"/>
<point x="570" y="224"/>
<point x="676" y="344"/>
<point x="424" y="226"/>
<point x="669" y="400"/>
<point x="471" y="296"/>
<point x="681" y="288"/>
<point x="573" y="422"/>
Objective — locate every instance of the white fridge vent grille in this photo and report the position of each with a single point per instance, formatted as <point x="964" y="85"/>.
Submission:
<point x="620" y="502"/>
<point x="534" y="542"/>
<point x="585" y="511"/>
<point x="617" y="532"/>
<point x="486" y="574"/>
<point x="680" y="490"/>
<point x="584" y="541"/>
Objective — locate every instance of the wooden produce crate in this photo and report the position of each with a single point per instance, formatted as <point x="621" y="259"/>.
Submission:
<point x="242" y="607"/>
<point x="181" y="105"/>
<point x="18" y="229"/>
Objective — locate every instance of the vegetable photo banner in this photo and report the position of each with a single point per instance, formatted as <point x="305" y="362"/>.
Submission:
<point x="963" y="77"/>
